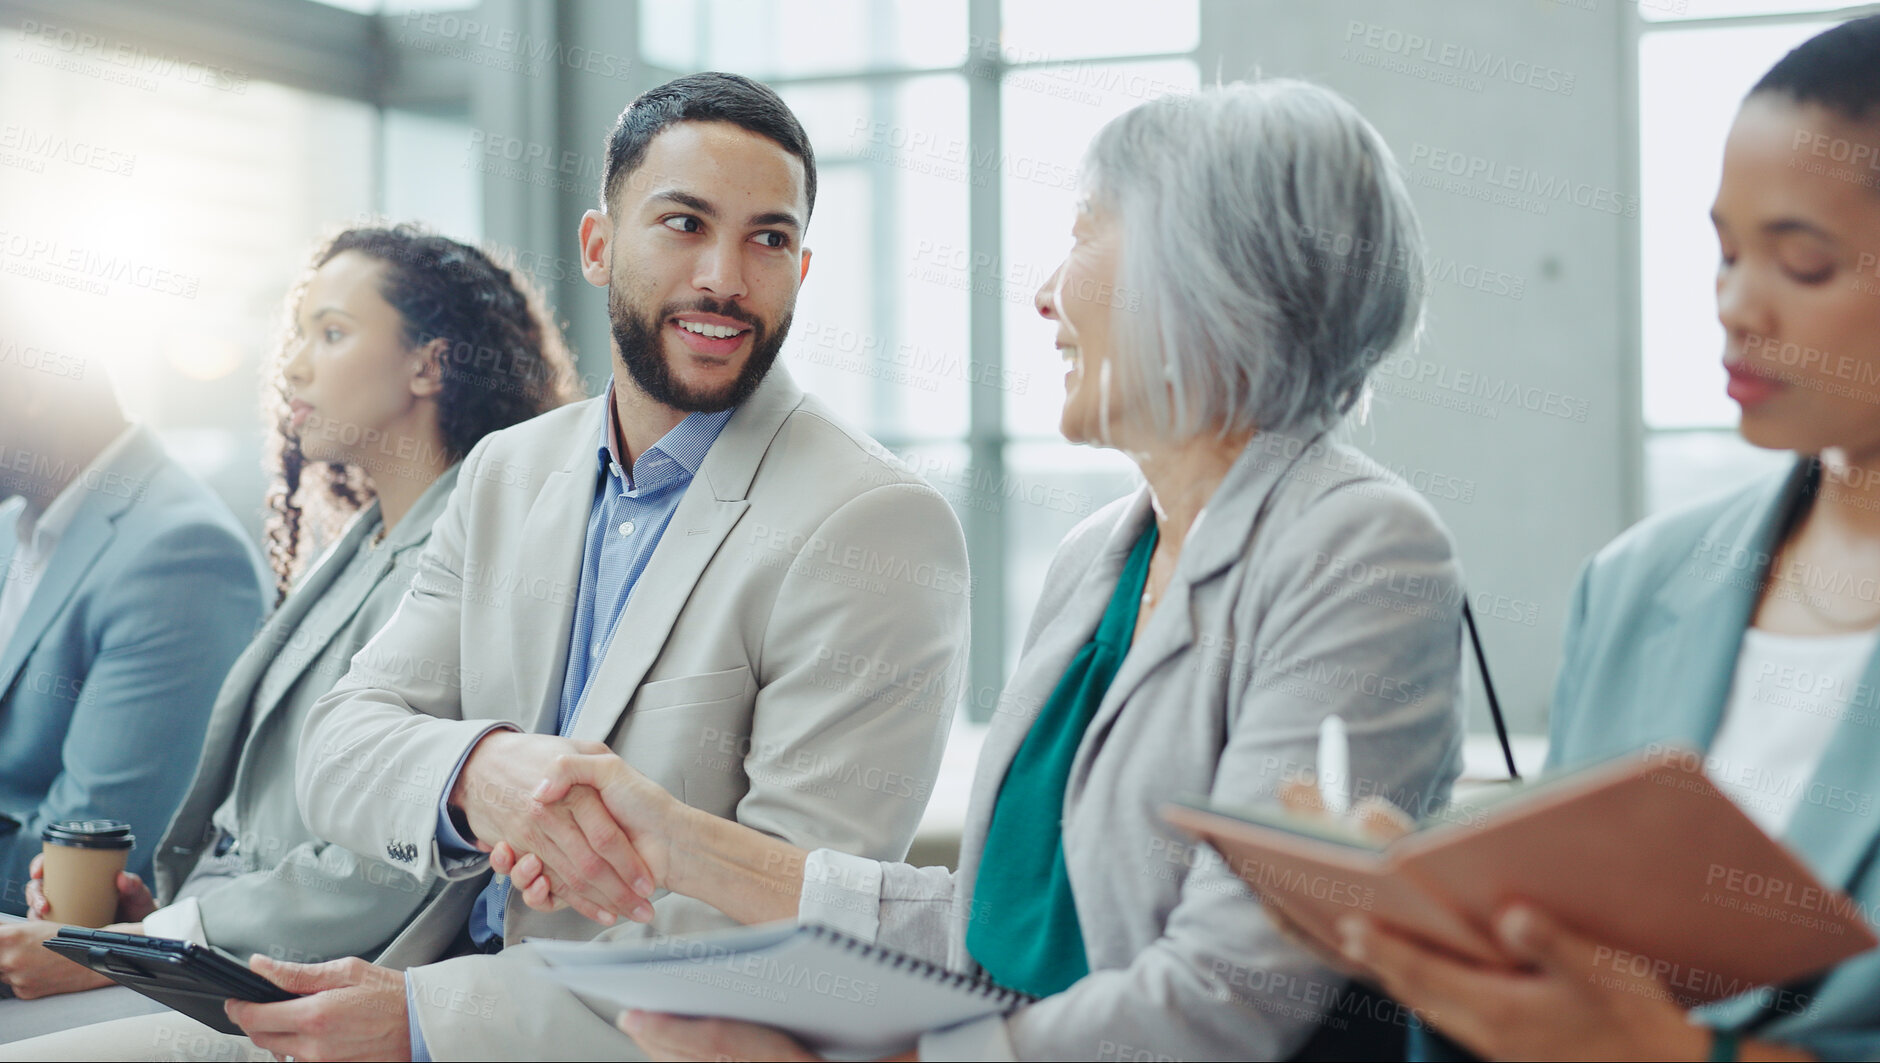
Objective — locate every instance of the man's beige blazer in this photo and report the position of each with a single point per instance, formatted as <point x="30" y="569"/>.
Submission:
<point x="791" y="658"/>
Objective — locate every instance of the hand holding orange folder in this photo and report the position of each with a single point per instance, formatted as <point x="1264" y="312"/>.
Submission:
<point x="1644" y="854"/>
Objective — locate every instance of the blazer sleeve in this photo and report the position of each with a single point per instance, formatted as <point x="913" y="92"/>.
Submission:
<point x="319" y="901"/>
<point x="1242" y="990"/>
<point x="165" y="632"/>
<point x="860" y="680"/>
<point x="378" y="750"/>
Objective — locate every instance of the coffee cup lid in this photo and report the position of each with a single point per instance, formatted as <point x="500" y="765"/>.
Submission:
<point x="90" y="834"/>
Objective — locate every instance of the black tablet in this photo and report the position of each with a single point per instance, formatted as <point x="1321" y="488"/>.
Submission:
<point x="181" y="975"/>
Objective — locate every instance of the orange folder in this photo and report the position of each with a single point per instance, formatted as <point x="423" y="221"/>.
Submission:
<point x="1643" y="855"/>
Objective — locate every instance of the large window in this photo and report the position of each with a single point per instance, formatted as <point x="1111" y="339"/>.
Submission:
<point x="153" y="212"/>
<point x="1697" y="59"/>
<point x="948" y="136"/>
<point x="156" y="203"/>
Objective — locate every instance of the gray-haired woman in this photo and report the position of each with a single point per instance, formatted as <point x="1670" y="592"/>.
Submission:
<point x="1243" y="258"/>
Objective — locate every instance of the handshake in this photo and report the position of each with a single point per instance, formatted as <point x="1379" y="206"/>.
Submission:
<point x="570" y="822"/>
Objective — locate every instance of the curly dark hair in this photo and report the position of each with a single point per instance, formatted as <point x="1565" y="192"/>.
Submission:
<point x="505" y="362"/>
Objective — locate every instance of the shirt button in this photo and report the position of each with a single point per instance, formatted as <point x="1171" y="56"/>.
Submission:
<point x="626" y="527"/>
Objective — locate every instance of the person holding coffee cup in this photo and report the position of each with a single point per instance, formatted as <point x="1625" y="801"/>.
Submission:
<point x="126" y="591"/>
<point x="381" y="386"/>
<point x="82" y="867"/>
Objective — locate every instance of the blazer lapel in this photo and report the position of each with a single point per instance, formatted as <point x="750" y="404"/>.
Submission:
<point x="228" y="722"/>
<point x="699" y="527"/>
<point x="554" y="535"/>
<point x="92" y="528"/>
<point x="1700" y="614"/>
<point x="90" y="532"/>
<point x="1036" y="677"/>
<point x="712" y="506"/>
<point x="1217" y="540"/>
<point x="285" y="625"/>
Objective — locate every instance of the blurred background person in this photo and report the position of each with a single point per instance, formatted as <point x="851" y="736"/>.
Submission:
<point x="403" y="350"/>
<point x="128" y="591"/>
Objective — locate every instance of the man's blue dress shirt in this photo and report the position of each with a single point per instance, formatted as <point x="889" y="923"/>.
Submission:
<point x="629" y="514"/>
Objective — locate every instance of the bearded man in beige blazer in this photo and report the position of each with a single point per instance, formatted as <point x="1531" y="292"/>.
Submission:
<point x="788" y="653"/>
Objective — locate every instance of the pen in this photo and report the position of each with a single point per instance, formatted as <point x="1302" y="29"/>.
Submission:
<point x="1334" y="771"/>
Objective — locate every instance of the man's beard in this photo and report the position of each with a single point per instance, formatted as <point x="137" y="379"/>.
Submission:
<point x="640" y="340"/>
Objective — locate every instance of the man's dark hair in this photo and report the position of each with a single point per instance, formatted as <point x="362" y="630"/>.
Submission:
<point x="707" y="97"/>
<point x="1838" y="68"/>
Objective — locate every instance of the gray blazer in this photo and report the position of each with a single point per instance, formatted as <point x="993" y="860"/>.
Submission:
<point x="1310" y="587"/>
<point x="790" y="658"/>
<point x="299" y="897"/>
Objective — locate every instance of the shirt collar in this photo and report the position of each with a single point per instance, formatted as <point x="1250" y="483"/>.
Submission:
<point x="46" y="528"/>
<point x="679" y="452"/>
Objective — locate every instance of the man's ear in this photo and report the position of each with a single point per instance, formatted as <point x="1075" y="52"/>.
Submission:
<point x="597" y="247"/>
<point x="804" y="275"/>
<point x="427" y="380"/>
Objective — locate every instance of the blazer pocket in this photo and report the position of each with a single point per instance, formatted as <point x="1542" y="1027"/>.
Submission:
<point x="686" y="690"/>
<point x="695" y="746"/>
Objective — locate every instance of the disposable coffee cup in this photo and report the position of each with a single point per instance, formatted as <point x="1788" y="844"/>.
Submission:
<point x="83" y="858"/>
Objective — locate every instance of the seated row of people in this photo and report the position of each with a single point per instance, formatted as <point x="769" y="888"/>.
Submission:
<point x="587" y="669"/>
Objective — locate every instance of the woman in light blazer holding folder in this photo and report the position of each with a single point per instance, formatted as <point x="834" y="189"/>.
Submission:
<point x="1190" y="639"/>
<point x="381" y="388"/>
<point x="1745" y="627"/>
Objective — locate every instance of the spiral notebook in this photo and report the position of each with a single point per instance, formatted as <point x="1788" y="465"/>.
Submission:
<point x="837" y="994"/>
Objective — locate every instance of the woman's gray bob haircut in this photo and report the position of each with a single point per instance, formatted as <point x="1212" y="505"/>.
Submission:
<point x="1270" y="256"/>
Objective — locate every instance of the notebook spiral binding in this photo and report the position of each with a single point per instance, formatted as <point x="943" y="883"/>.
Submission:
<point x="976" y="985"/>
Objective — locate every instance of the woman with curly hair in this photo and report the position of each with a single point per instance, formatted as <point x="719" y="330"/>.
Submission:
<point x="403" y="350"/>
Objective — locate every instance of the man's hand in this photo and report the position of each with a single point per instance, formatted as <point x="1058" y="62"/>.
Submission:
<point x="31" y="970"/>
<point x="134" y="899"/>
<point x="640" y="806"/>
<point x="1570" y="1000"/>
<point x="354" y="1010"/>
<point x="506" y="793"/>
<point x="669" y="1037"/>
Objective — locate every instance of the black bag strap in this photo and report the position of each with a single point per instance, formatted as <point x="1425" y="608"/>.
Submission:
<point x="1488" y="687"/>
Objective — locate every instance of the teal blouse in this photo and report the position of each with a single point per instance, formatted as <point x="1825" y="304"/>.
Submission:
<point x="1024" y="930"/>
